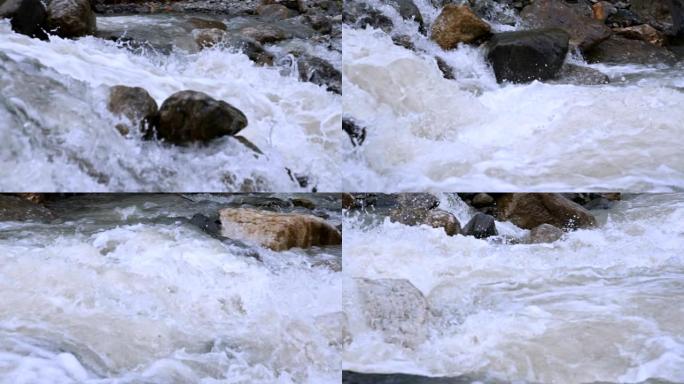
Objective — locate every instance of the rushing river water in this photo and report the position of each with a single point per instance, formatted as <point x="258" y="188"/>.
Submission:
<point x="469" y="134"/>
<point x="599" y="305"/>
<point x="59" y="136"/>
<point x="121" y="289"/>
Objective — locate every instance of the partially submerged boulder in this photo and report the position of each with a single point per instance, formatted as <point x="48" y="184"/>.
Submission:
<point x="13" y="208"/>
<point x="395" y="308"/>
<point x="136" y="105"/>
<point x="545" y="233"/>
<point x="26" y="16"/>
<point x="277" y="231"/>
<point x="71" y="18"/>
<point x="481" y="226"/>
<point x="191" y="116"/>
<point x="320" y="72"/>
<point x="530" y="210"/>
<point x="458" y="24"/>
<point x="524" y="56"/>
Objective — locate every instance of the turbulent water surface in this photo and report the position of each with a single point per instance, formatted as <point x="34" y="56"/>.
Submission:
<point x="120" y="289"/>
<point x="599" y="305"/>
<point x="427" y="132"/>
<point x="59" y="136"/>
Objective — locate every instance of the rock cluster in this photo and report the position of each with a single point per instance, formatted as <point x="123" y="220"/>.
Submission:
<point x="64" y="18"/>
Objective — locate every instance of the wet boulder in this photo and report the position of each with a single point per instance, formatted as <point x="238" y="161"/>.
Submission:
<point x="643" y="32"/>
<point x="458" y="24"/>
<point x="265" y="33"/>
<point x="585" y="32"/>
<point x="71" y="18"/>
<point x="277" y="231"/>
<point x="408" y="11"/>
<point x="211" y="226"/>
<point x="525" y="56"/>
<point x="191" y="116"/>
<point x="530" y="210"/>
<point x="26" y="16"/>
<point x="438" y="218"/>
<point x="396" y="308"/>
<point x="275" y="12"/>
<point x="620" y="50"/>
<point x="361" y="15"/>
<point x="482" y="200"/>
<point x="356" y="133"/>
<point x="320" y="72"/>
<point x="545" y="233"/>
<point x="481" y="226"/>
<point x="134" y="104"/>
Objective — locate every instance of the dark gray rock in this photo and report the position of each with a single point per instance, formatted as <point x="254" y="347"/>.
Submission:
<point x="356" y="133"/>
<point x="318" y="71"/>
<point x="524" y="56"/>
<point x="361" y="15"/>
<point x="481" y="226"/>
<point x="409" y="11"/>
<point x="26" y="16"/>
<point x="578" y="75"/>
<point x="191" y="116"/>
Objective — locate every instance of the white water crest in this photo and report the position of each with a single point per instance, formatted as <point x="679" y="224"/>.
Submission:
<point x="425" y="132"/>
<point x="59" y="136"/>
<point x="123" y="290"/>
<point x="599" y="305"/>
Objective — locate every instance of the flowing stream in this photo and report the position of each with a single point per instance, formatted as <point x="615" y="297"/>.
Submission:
<point x="121" y="289"/>
<point x="427" y="132"/>
<point x="599" y="305"/>
<point x="59" y="136"/>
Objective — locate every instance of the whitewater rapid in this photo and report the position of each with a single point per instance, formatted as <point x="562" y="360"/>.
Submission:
<point x="120" y="289"/>
<point x="599" y="305"/>
<point x="425" y="132"/>
<point x="58" y="135"/>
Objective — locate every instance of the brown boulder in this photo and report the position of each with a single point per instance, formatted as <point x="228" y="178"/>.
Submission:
<point x="135" y="104"/>
<point x="643" y="32"/>
<point x="545" y="233"/>
<point x="530" y="210"/>
<point x="71" y="18"/>
<point x="458" y="24"/>
<point x="191" y="116"/>
<point x="585" y="32"/>
<point x="277" y="231"/>
<point x="438" y="218"/>
<point x="620" y="50"/>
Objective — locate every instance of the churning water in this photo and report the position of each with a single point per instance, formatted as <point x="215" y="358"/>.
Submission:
<point x="120" y="289"/>
<point x="599" y="305"/>
<point x="58" y="135"/>
<point x="470" y="134"/>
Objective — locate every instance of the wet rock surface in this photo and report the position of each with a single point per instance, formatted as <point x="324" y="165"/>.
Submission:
<point x="134" y="104"/>
<point x="191" y="116"/>
<point x="545" y="233"/>
<point x="71" y="18"/>
<point x="521" y="57"/>
<point x="530" y="210"/>
<point x="585" y="32"/>
<point x="26" y="16"/>
<point x="458" y="24"/>
<point x="481" y="226"/>
<point x="13" y="208"/>
<point x="277" y="231"/>
<point x="620" y="50"/>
